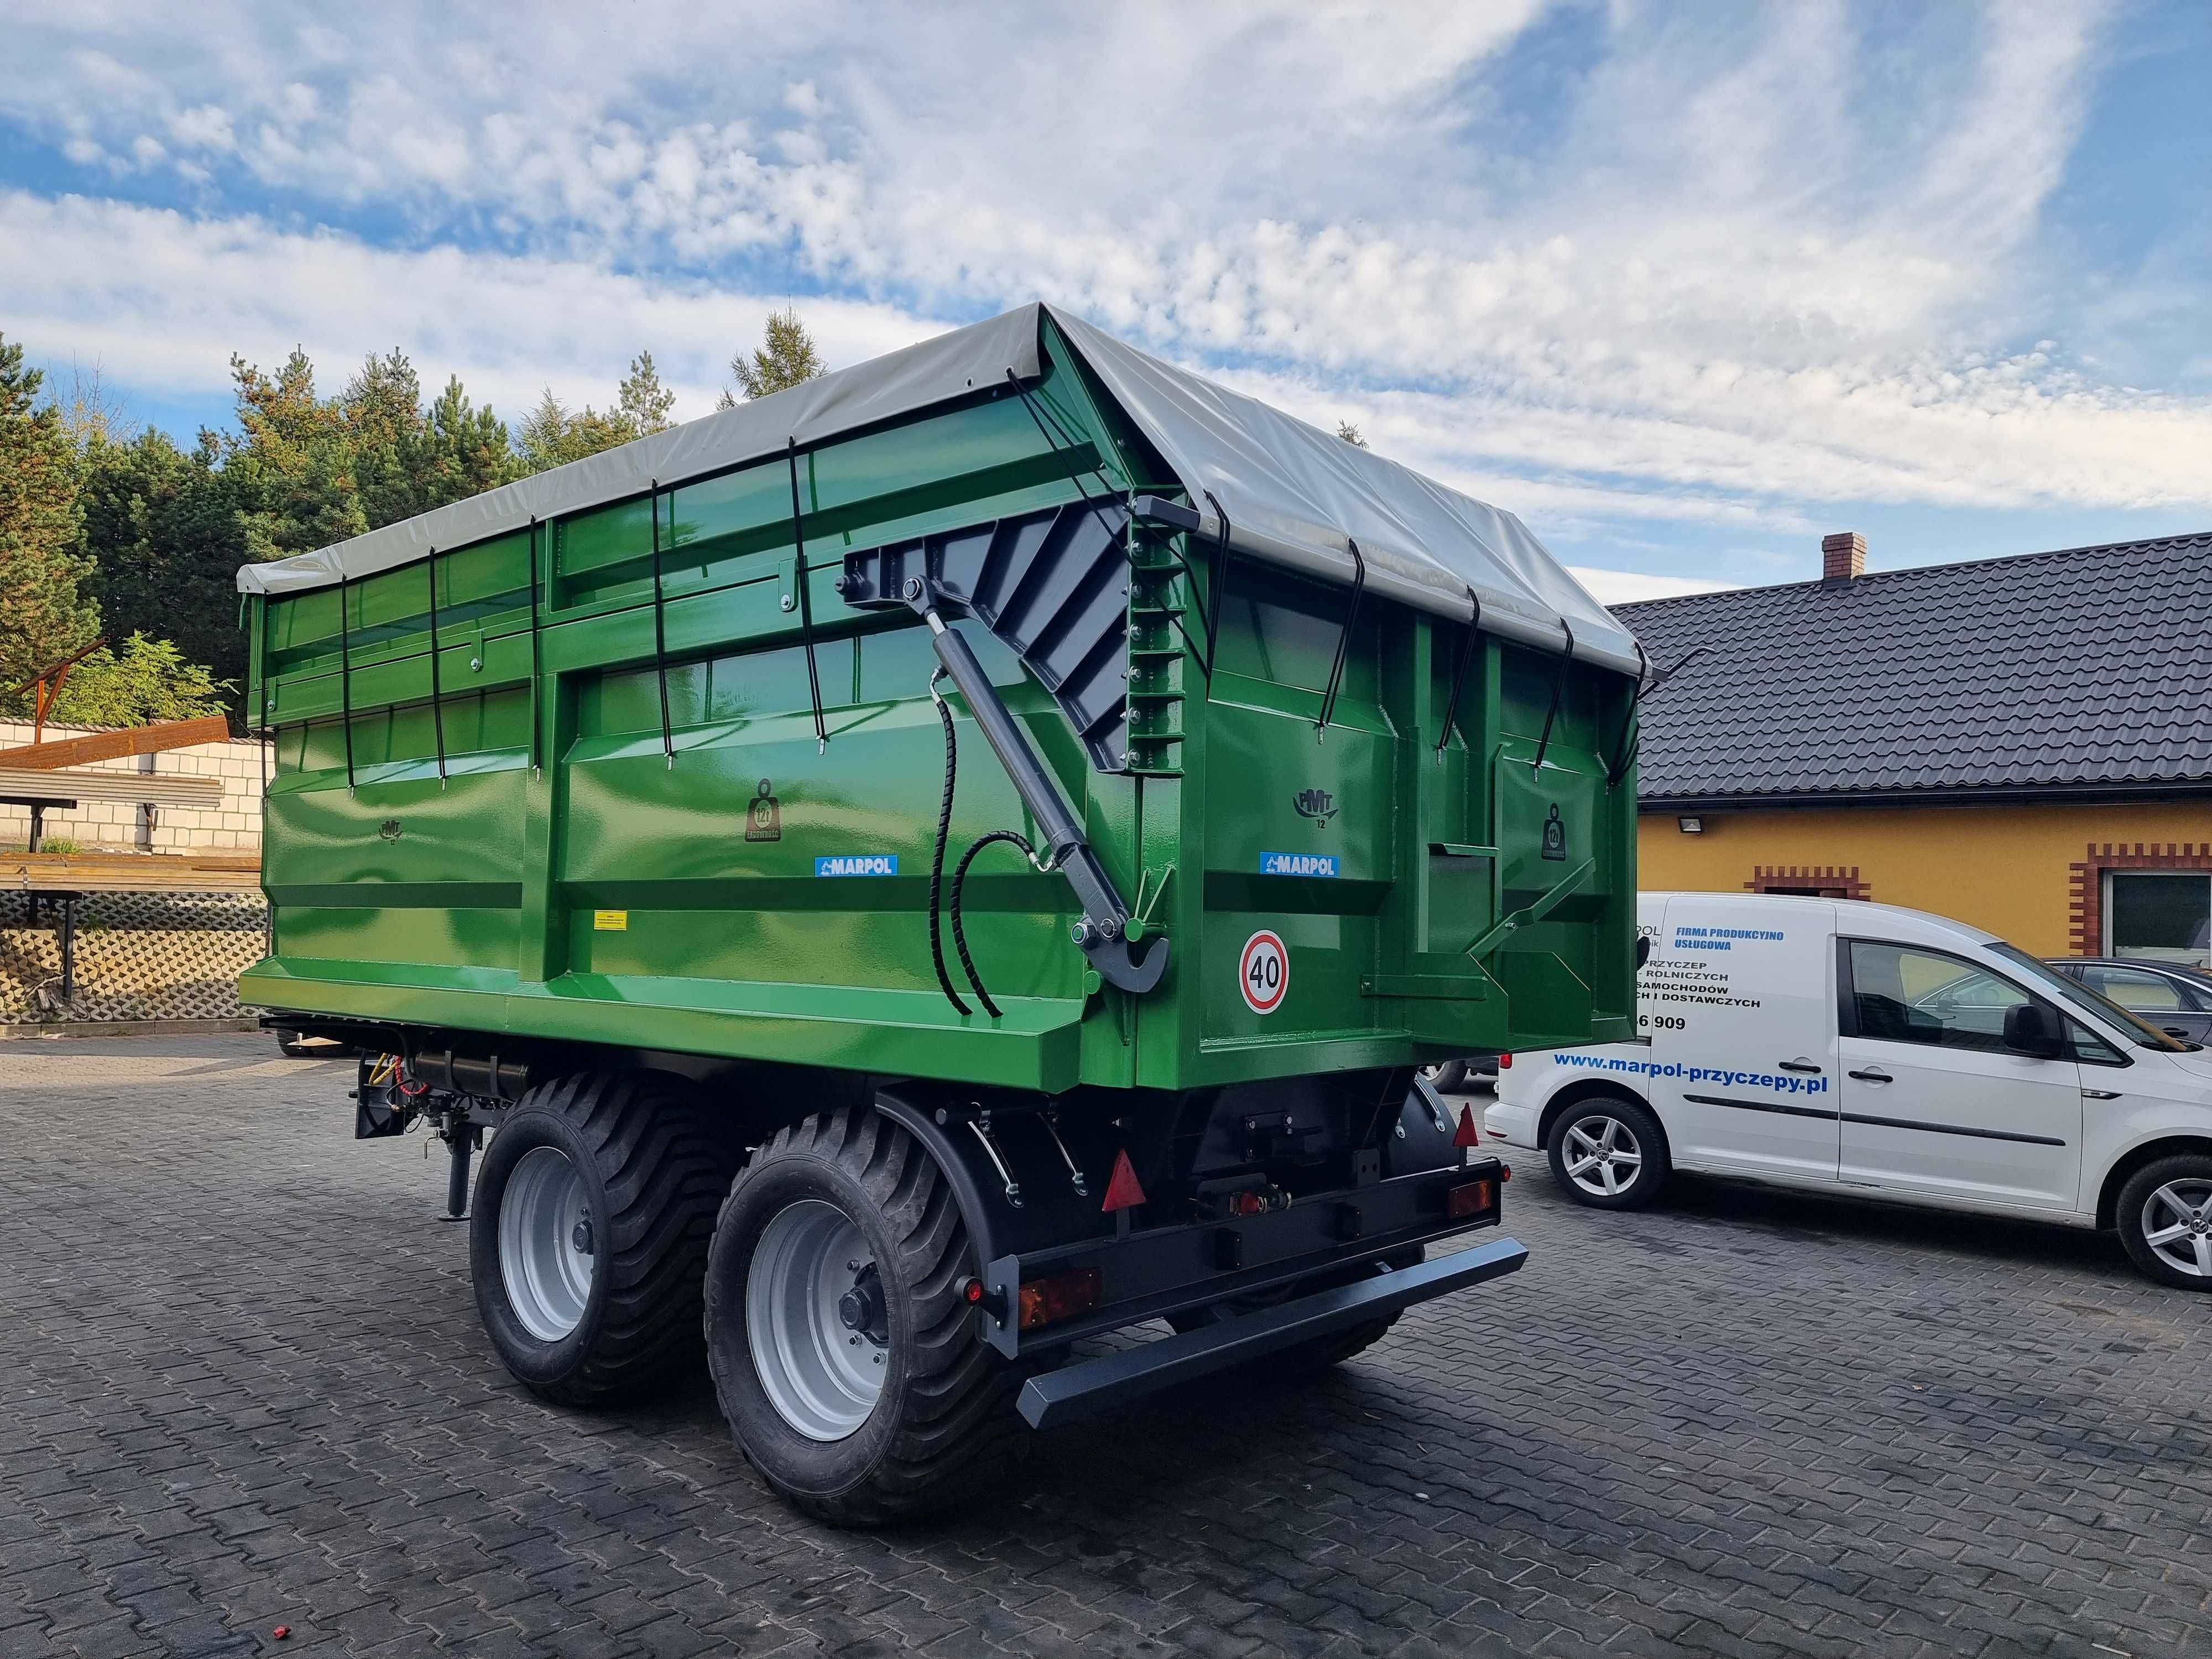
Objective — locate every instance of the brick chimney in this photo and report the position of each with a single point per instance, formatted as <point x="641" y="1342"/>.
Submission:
<point x="1842" y="556"/>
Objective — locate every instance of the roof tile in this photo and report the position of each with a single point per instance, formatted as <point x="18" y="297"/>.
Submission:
<point x="2091" y="665"/>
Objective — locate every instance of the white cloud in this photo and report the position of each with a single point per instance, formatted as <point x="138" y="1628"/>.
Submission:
<point x="1736" y="265"/>
<point x="174" y="297"/>
<point x="1627" y="587"/>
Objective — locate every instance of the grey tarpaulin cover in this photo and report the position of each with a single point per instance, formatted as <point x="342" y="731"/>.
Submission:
<point x="1295" y="495"/>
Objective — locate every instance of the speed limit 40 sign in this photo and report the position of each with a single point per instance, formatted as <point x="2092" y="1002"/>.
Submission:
<point x="1263" y="972"/>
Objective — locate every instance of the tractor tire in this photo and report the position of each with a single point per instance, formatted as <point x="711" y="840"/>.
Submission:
<point x="595" y="1207"/>
<point x="844" y="1354"/>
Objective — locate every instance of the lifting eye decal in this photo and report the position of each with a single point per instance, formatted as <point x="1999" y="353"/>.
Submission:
<point x="764" y="816"/>
<point x="1555" y="835"/>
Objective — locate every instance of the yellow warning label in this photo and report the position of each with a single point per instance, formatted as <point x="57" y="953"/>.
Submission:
<point x="610" y="921"/>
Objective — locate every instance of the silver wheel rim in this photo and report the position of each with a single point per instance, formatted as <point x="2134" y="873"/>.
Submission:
<point x="2176" y="1223"/>
<point x="821" y="1375"/>
<point x="1601" y="1155"/>
<point x="545" y="1243"/>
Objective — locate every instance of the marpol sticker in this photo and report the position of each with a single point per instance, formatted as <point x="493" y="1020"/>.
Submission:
<point x="1297" y="864"/>
<point x="858" y="864"/>
<point x="1263" y="972"/>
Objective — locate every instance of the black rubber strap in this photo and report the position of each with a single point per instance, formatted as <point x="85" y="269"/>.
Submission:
<point x="1559" y="689"/>
<point x="660" y="635"/>
<point x="1468" y="648"/>
<point x="805" y="603"/>
<point x="1631" y="729"/>
<point x="437" y="688"/>
<point x="1212" y="618"/>
<point x="345" y="680"/>
<point x="533" y="642"/>
<point x="1343" y="640"/>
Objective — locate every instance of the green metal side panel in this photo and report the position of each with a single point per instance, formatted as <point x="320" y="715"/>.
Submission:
<point x="562" y="875"/>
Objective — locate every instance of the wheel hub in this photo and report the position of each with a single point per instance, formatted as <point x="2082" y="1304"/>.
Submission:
<point x="818" y="1319"/>
<point x="546" y="1254"/>
<point x="862" y="1310"/>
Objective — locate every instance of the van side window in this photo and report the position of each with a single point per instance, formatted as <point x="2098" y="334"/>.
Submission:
<point x="1903" y="994"/>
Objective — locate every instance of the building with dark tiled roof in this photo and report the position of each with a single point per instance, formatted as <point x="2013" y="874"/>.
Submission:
<point x="2023" y="743"/>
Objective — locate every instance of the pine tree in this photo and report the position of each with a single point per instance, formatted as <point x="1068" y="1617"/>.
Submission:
<point x="462" y="450"/>
<point x="292" y="461"/>
<point x="551" y="436"/>
<point x="643" y="401"/>
<point x="786" y="358"/>
<point x="44" y="614"/>
<point x="163" y="527"/>
<point x="381" y="412"/>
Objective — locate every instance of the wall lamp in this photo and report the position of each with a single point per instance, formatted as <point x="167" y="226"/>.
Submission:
<point x="1692" y="826"/>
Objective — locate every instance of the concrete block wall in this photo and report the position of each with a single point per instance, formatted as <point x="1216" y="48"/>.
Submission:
<point x="233" y="825"/>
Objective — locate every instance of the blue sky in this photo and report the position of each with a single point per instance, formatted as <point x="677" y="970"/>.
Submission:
<point x="1683" y="286"/>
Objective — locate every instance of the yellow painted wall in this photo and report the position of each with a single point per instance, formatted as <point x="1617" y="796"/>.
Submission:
<point x="2002" y="868"/>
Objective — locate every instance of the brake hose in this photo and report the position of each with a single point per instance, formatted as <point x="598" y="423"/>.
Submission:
<point x="959" y="880"/>
<point x="937" y="858"/>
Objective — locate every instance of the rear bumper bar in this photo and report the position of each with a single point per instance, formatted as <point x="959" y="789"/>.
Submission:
<point x="1077" y="1391"/>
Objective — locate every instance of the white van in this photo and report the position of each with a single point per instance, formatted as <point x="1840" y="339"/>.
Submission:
<point x="1848" y="1047"/>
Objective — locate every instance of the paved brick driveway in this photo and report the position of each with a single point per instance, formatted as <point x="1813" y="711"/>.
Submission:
<point x="242" y="1385"/>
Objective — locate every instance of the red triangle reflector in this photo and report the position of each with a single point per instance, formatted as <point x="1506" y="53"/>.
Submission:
<point x="1122" y="1191"/>
<point x="1467" y="1135"/>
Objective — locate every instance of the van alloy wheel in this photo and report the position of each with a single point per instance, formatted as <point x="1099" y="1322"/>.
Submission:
<point x="2177" y="1223"/>
<point x="1608" y="1151"/>
<point x="1603" y="1156"/>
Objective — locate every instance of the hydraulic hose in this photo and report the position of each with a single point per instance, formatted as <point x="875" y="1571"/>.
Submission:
<point x="937" y="861"/>
<point x="960" y="880"/>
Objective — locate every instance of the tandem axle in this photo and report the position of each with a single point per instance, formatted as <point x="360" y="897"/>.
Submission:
<point x="1284" y="1224"/>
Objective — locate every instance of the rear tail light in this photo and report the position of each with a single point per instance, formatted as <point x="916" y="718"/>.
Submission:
<point x="1048" y="1301"/>
<point x="1469" y="1198"/>
<point x="1506" y="1062"/>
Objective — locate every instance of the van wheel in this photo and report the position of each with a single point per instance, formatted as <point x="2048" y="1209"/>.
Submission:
<point x="587" y="1241"/>
<point x="2164" y="1219"/>
<point x="845" y="1357"/>
<point x="1607" y="1152"/>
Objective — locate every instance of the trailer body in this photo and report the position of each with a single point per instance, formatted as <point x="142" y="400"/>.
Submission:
<point x="638" y="767"/>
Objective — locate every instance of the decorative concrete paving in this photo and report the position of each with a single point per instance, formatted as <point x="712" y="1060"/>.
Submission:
<point x="242" y="1385"/>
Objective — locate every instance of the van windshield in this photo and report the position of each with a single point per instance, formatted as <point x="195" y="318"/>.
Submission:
<point x="2141" y="1032"/>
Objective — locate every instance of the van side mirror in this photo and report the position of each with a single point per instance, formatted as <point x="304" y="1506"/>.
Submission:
<point x="2032" y="1027"/>
<point x="1642" y="951"/>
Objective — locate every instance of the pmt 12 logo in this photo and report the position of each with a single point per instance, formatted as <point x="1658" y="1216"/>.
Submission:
<point x="1315" y="804"/>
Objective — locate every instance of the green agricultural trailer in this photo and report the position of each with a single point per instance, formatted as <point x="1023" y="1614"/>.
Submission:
<point x="926" y="869"/>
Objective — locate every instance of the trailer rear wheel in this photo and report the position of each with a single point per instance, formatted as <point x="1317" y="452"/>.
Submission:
<point x="843" y="1352"/>
<point x="588" y="1238"/>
